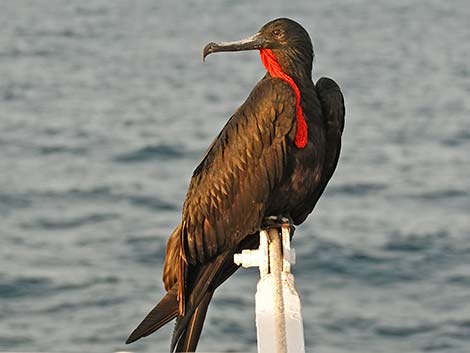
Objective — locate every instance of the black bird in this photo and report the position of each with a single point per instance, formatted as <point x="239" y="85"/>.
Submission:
<point x="274" y="157"/>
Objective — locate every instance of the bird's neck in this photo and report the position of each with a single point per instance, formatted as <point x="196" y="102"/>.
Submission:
<point x="296" y="62"/>
<point x="276" y="69"/>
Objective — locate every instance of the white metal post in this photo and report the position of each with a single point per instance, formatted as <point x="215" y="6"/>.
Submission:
<point x="278" y="309"/>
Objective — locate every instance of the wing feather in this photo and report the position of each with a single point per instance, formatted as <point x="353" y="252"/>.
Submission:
<point x="229" y="189"/>
<point x="230" y="186"/>
<point x="332" y="104"/>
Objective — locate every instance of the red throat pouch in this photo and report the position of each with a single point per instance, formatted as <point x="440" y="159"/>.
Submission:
<point x="272" y="66"/>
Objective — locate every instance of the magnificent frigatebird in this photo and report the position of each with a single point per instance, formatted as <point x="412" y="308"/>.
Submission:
<point x="274" y="157"/>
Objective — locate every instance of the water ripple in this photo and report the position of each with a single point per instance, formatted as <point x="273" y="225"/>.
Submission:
<point x="357" y="189"/>
<point x="25" y="199"/>
<point x="155" y="152"/>
<point x="404" y="330"/>
<point x="416" y="242"/>
<point x="82" y="304"/>
<point x="25" y="287"/>
<point x="152" y="203"/>
<point x="14" y="200"/>
<point x="62" y="149"/>
<point x="461" y="137"/>
<point x="64" y="223"/>
<point x="404" y="258"/>
<point x="7" y="341"/>
<point x="443" y="194"/>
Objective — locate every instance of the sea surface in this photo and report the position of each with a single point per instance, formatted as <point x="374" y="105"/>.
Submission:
<point x="106" y="108"/>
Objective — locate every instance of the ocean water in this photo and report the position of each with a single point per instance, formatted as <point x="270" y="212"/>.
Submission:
<point x="106" y="108"/>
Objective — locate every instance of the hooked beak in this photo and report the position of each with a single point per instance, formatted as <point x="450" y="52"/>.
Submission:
<point x="251" y="43"/>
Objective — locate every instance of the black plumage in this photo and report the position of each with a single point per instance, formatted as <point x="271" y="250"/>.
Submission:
<point x="252" y="170"/>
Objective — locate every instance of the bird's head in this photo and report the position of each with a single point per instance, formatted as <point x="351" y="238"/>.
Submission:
<point x="285" y="38"/>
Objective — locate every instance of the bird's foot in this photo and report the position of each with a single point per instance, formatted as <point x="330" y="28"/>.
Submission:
<point x="278" y="222"/>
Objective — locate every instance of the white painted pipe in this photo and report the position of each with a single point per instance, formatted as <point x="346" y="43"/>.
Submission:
<point x="278" y="311"/>
<point x="276" y="265"/>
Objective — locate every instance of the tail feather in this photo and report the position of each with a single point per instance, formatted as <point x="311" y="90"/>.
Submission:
<point x="187" y="337"/>
<point x="203" y="282"/>
<point x="165" y="311"/>
<point x="188" y="327"/>
<point x="202" y="291"/>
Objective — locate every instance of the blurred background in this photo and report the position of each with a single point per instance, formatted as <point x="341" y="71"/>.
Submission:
<point x="106" y="109"/>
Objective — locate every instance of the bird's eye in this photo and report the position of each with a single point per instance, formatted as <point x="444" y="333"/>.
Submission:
<point x="277" y="32"/>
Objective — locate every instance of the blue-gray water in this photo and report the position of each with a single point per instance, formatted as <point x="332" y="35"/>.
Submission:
<point x="106" y="108"/>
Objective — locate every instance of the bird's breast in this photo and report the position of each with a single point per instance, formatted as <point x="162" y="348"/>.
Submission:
<point x="305" y="168"/>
